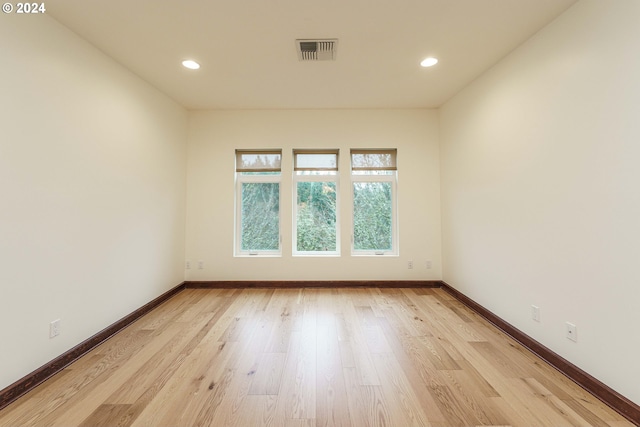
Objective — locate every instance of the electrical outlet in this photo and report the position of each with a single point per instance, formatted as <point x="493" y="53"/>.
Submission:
<point x="427" y="263"/>
<point x="572" y="332"/>
<point x="535" y="313"/>
<point x="410" y="265"/>
<point x="187" y="265"/>
<point x="200" y="265"/>
<point x="54" y="328"/>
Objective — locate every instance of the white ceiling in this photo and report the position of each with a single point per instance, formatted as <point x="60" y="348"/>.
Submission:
<point x="248" y="55"/>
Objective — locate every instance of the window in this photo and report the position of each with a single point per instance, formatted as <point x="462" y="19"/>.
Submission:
<point x="316" y="194"/>
<point x="258" y="202"/>
<point x="373" y="175"/>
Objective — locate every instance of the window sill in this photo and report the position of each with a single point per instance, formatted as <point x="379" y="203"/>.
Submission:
<point x="374" y="255"/>
<point x="258" y="255"/>
<point x="316" y="255"/>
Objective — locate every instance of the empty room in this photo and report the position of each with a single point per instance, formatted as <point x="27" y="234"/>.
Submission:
<point x="292" y="213"/>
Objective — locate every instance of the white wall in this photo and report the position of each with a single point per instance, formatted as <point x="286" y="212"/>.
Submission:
<point x="92" y="192"/>
<point x="541" y="193"/>
<point x="213" y="138"/>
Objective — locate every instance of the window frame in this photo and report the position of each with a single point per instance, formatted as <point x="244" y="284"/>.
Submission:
<point x="322" y="174"/>
<point x="242" y="178"/>
<point x="391" y="176"/>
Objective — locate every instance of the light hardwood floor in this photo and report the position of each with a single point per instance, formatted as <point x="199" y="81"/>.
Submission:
<point x="310" y="357"/>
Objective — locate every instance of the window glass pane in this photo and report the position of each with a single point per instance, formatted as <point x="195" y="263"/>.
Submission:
<point x="259" y="173"/>
<point x="373" y="172"/>
<point x="315" y="172"/>
<point x="372" y="216"/>
<point x="316" y="217"/>
<point x="260" y="219"/>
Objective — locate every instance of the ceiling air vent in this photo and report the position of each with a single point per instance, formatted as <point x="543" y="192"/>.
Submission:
<point x="317" y="50"/>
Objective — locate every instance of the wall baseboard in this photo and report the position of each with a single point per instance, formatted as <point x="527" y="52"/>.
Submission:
<point x="314" y="284"/>
<point x="612" y="398"/>
<point x="40" y="375"/>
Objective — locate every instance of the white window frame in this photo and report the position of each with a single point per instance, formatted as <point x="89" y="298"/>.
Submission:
<point x="240" y="179"/>
<point x="329" y="175"/>
<point x="391" y="178"/>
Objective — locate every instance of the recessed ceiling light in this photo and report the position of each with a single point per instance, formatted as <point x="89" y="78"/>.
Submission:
<point x="188" y="63"/>
<point x="429" y="62"/>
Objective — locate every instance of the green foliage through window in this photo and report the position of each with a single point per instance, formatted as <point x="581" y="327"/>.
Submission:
<point x="316" y="216"/>
<point x="372" y="216"/>
<point x="260" y="216"/>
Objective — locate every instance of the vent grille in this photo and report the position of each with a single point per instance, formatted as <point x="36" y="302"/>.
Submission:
<point x="317" y="50"/>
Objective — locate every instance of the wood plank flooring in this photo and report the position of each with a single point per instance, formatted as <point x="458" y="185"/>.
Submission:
<point x="310" y="357"/>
